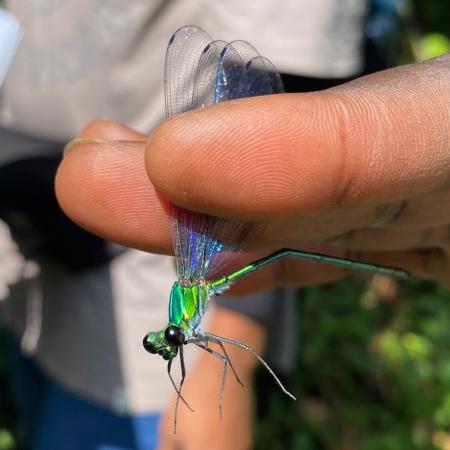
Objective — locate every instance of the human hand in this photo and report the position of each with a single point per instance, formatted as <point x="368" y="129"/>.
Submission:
<point x="363" y="169"/>
<point x="203" y="429"/>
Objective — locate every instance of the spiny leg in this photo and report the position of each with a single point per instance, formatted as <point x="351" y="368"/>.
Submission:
<point x="217" y="339"/>
<point x="169" y="366"/>
<point x="230" y="363"/>
<point x="204" y="346"/>
<point x="204" y="341"/>
<point x="183" y="377"/>
<point x="178" y="390"/>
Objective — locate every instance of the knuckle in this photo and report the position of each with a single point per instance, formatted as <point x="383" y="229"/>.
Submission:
<point x="345" y="178"/>
<point x="388" y="213"/>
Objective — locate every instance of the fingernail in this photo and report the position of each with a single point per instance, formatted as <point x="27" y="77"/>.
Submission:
<point x="103" y="144"/>
<point x="81" y="141"/>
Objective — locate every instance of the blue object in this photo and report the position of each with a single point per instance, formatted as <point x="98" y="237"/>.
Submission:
<point x="57" y="419"/>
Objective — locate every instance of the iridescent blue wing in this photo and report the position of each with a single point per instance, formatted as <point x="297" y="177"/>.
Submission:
<point x="199" y="73"/>
<point x="242" y="72"/>
<point x="259" y="77"/>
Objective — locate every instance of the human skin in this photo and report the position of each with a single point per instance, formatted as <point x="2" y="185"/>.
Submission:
<point x="362" y="170"/>
<point x="202" y="386"/>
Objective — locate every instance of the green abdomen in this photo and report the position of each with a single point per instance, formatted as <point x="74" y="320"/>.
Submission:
<point x="187" y="305"/>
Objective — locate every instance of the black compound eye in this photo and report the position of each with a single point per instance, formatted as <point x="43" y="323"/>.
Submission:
<point x="148" y="345"/>
<point x="174" y="335"/>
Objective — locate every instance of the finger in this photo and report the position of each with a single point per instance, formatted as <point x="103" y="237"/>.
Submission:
<point x="314" y="227"/>
<point x="290" y="271"/>
<point x="104" y="188"/>
<point x="425" y="263"/>
<point x="110" y="130"/>
<point x="301" y="273"/>
<point x="429" y="210"/>
<point x="380" y="139"/>
<point x="393" y="239"/>
<point x="96" y="179"/>
<point x="95" y="186"/>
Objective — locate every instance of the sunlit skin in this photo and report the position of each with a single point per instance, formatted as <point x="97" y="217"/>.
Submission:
<point x="351" y="193"/>
<point x="200" y="387"/>
<point x="361" y="168"/>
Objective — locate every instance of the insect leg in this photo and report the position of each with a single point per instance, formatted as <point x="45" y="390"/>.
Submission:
<point x="222" y="358"/>
<point x="183" y="377"/>
<point x="177" y="390"/>
<point x="229" y="362"/>
<point x="217" y="339"/>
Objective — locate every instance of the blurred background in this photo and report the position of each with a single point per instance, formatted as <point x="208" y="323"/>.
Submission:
<point x="373" y="365"/>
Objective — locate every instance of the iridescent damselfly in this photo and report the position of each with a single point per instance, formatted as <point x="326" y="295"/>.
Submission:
<point x="200" y="72"/>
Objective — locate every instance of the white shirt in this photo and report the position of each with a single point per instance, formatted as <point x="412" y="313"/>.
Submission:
<point x="87" y="59"/>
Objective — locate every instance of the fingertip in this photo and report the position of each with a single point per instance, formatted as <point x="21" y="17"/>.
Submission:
<point x="103" y="187"/>
<point x="247" y="158"/>
<point x="71" y="171"/>
<point x="110" y="130"/>
<point x="284" y="155"/>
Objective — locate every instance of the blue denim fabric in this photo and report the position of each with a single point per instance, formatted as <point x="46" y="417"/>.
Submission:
<point x="56" y="419"/>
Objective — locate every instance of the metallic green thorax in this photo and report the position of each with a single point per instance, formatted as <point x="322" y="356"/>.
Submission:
<point x="187" y="305"/>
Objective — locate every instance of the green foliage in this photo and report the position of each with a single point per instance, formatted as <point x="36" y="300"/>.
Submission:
<point x="6" y="440"/>
<point x="8" y="419"/>
<point x="373" y="371"/>
<point x="372" y="374"/>
<point x="433" y="15"/>
<point x="433" y="44"/>
<point x="428" y="32"/>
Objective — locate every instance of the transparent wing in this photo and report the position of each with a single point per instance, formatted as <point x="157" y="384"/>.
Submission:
<point x="206" y="74"/>
<point x="275" y="79"/>
<point x="244" y="49"/>
<point x="199" y="73"/>
<point x="182" y="57"/>
<point x="259" y="77"/>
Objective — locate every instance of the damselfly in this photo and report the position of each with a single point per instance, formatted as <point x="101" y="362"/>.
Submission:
<point x="200" y="72"/>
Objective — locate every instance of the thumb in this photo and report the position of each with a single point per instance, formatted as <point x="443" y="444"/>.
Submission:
<point x="378" y="139"/>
